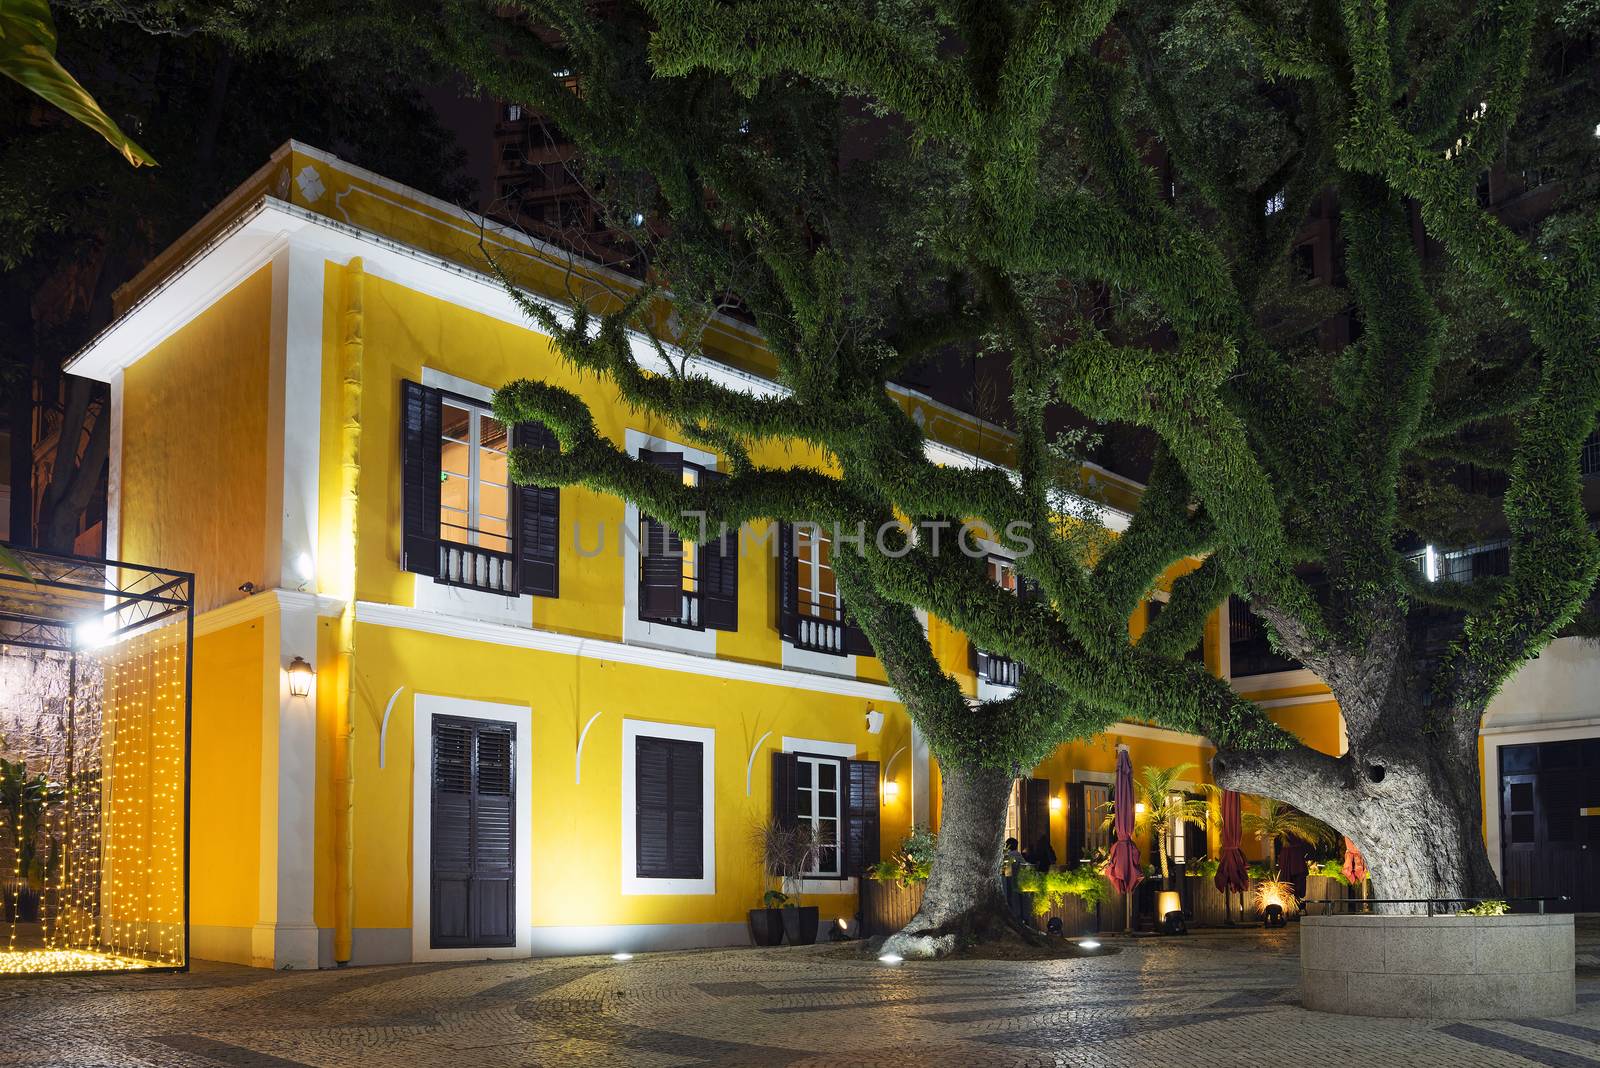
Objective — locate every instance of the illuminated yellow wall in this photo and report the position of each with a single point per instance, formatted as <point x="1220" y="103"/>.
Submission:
<point x="225" y="849"/>
<point x="576" y="877"/>
<point x="194" y="445"/>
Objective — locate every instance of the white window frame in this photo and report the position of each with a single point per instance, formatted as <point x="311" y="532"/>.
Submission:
<point x="477" y="412"/>
<point x="825" y="884"/>
<point x="642" y="631"/>
<point x="1101" y="779"/>
<point x="632" y="883"/>
<point x="816" y="791"/>
<point x="818" y="537"/>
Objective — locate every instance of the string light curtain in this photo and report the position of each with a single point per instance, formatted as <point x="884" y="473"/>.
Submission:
<point x="94" y="713"/>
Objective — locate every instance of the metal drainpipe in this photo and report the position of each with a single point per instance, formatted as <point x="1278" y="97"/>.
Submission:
<point x="351" y="351"/>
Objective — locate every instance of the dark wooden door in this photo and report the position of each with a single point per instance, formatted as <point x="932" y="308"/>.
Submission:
<point x="473" y="836"/>
<point x="1550" y="822"/>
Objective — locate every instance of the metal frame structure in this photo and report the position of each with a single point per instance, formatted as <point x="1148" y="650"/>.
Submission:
<point x="48" y="607"/>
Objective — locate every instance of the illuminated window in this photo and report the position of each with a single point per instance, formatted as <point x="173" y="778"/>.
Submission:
<point x="474" y="501"/>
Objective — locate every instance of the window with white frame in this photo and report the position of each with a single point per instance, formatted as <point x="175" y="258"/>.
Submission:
<point x="817" y="788"/>
<point x="814" y="580"/>
<point x="1003" y="573"/>
<point x="474" y="494"/>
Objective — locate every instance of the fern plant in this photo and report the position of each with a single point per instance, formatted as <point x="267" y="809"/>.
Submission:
<point x="1277" y="821"/>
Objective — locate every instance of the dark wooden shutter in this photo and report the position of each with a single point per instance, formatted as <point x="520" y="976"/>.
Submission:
<point x="669" y="809"/>
<point x="1036" y="820"/>
<point x="718" y="576"/>
<point x="1077" y="822"/>
<point x="785" y="774"/>
<point x="473" y="834"/>
<point x="660" y="555"/>
<point x="861" y="817"/>
<point x="419" y="479"/>
<point x="855" y="639"/>
<point x="788" y="582"/>
<point x="538" y="521"/>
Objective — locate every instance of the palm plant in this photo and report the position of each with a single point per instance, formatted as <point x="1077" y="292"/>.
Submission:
<point x="24" y="799"/>
<point x="1159" y="807"/>
<point x="1276" y="821"/>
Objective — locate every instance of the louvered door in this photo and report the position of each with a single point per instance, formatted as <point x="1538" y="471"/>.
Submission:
<point x="473" y="836"/>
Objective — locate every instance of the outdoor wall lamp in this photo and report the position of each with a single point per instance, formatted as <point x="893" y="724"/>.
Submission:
<point x="874" y="720"/>
<point x="1056" y="804"/>
<point x="891" y="792"/>
<point x="300" y="676"/>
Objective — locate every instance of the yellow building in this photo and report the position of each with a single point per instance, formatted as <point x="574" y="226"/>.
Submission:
<point x="518" y="734"/>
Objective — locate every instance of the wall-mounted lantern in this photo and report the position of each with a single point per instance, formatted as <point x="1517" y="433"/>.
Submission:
<point x="300" y="676"/>
<point x="874" y="720"/>
<point x="891" y="792"/>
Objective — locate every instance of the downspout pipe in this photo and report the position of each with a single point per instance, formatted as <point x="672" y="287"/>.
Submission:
<point x="351" y="353"/>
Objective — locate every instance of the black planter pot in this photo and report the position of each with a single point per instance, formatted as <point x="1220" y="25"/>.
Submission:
<point x="800" y="924"/>
<point x="766" y="926"/>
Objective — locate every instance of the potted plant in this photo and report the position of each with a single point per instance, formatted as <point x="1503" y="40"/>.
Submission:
<point x="773" y="843"/>
<point x="787" y="852"/>
<point x="800" y="921"/>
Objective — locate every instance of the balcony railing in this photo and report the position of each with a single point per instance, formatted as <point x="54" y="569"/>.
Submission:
<point x="1589" y="458"/>
<point x="477" y="568"/>
<point x="688" y="612"/>
<point x="998" y="670"/>
<point x="818" y="635"/>
<point x="1249" y="650"/>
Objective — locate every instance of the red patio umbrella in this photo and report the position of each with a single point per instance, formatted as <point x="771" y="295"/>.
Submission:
<point x="1123" y="869"/>
<point x="1355" y="865"/>
<point x="1232" y="873"/>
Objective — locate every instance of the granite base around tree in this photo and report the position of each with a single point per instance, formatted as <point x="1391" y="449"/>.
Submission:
<point x="1438" y="967"/>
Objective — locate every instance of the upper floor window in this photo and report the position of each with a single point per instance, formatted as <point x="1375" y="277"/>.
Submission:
<point x="474" y="488"/>
<point x="811" y="611"/>
<point x="993" y="667"/>
<point x="463" y="523"/>
<point x="684" y="584"/>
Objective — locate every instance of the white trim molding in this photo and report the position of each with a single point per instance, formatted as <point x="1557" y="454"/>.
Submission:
<point x="424" y="707"/>
<point x="450" y="626"/>
<point x="632" y="883"/>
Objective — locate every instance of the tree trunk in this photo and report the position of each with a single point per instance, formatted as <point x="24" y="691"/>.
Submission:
<point x="1409" y="801"/>
<point x="965" y="897"/>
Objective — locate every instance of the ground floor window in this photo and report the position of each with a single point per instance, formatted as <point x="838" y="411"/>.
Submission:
<point x="668" y="818"/>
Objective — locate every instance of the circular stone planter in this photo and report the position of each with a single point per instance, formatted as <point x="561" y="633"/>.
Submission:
<point x="1439" y="967"/>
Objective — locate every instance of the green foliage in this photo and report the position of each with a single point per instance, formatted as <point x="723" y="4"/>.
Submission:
<point x="1203" y="868"/>
<point x="1489" y="907"/>
<point x="1048" y="889"/>
<point x="28" y="57"/>
<point x="911" y="863"/>
<point x="1328" y="869"/>
<point x="774" y="899"/>
<point x="1277" y="821"/>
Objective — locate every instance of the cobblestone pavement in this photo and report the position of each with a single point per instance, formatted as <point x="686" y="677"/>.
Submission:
<point x="1210" y="999"/>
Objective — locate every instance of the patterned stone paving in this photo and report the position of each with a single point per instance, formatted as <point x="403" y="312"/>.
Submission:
<point x="1215" y="998"/>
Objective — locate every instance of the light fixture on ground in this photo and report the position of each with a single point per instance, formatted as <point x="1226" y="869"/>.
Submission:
<point x="1088" y="943"/>
<point x="300" y="676"/>
<point x="891" y="958"/>
<point x="622" y="956"/>
<point x="1170" y="908"/>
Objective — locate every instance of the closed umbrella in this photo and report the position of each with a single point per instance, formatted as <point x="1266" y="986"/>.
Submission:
<point x="1233" y="875"/>
<point x="1123" y="870"/>
<point x="1355" y="866"/>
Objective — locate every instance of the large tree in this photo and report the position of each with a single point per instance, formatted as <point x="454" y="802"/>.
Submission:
<point x="1010" y="199"/>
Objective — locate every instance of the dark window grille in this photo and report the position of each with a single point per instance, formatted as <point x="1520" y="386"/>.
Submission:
<point x="1589" y="457"/>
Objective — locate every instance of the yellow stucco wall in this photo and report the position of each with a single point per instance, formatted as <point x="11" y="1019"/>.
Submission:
<point x="194" y="447"/>
<point x="576" y="828"/>
<point x="225" y="806"/>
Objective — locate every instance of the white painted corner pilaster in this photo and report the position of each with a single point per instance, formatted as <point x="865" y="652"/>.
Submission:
<point x="294" y="411"/>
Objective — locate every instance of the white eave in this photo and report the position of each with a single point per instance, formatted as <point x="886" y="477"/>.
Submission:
<point x="268" y="225"/>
